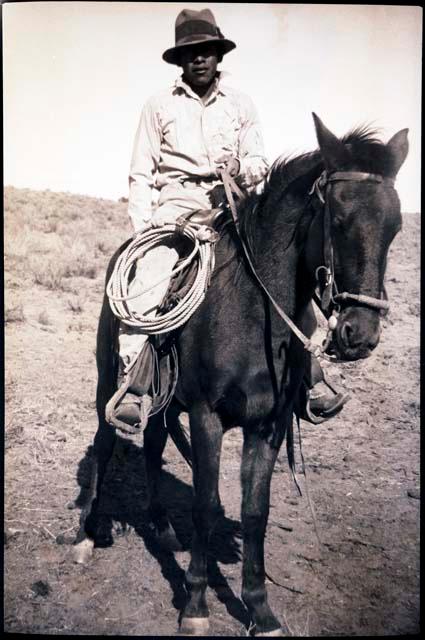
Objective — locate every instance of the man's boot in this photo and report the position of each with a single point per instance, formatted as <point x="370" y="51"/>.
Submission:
<point x="322" y="400"/>
<point x="129" y="408"/>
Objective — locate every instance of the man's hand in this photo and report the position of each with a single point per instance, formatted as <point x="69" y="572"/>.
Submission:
<point x="159" y="219"/>
<point x="231" y="165"/>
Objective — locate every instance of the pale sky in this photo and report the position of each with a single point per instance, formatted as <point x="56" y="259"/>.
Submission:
<point x="76" y="75"/>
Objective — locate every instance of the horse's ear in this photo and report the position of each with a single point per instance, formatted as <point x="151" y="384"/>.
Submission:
<point x="398" y="147"/>
<point x="334" y="153"/>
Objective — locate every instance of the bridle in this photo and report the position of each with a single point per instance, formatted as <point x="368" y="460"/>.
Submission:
<point x="330" y="293"/>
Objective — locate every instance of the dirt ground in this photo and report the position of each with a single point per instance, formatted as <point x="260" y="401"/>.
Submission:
<point x="362" y="468"/>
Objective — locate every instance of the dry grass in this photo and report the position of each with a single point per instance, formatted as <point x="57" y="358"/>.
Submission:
<point x="53" y="238"/>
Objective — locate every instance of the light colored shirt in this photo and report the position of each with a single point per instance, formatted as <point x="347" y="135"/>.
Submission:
<point x="180" y="137"/>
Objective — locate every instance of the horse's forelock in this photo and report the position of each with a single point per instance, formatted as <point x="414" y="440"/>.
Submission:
<point x="362" y="134"/>
<point x="368" y="152"/>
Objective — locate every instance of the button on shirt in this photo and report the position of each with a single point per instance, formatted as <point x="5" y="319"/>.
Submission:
<point x="180" y="137"/>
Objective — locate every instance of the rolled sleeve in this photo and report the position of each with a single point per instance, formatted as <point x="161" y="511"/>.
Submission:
<point x="144" y="165"/>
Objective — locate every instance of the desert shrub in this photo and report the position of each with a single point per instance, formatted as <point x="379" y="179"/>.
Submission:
<point x="75" y="214"/>
<point x="48" y="273"/>
<point x="103" y="246"/>
<point x="15" y="314"/>
<point x="44" y="318"/>
<point x="51" y="225"/>
<point x="80" y="260"/>
<point x="76" y="304"/>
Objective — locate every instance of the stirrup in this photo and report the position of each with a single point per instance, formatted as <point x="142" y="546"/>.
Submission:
<point x="310" y="416"/>
<point x="126" y="405"/>
<point x="340" y="400"/>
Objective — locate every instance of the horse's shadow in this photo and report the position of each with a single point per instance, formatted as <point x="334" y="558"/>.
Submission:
<point x="123" y="507"/>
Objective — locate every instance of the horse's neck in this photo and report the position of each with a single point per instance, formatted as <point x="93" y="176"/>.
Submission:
<point x="289" y="247"/>
<point x="276" y="253"/>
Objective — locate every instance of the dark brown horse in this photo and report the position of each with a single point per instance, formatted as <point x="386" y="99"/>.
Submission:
<point x="324" y="219"/>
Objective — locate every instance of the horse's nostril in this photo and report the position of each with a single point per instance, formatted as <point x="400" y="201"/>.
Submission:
<point x="346" y="332"/>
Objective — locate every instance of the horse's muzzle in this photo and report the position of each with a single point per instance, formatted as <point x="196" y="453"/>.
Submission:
<point x="357" y="333"/>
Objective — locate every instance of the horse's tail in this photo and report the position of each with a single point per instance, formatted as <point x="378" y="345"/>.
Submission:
<point x="107" y="344"/>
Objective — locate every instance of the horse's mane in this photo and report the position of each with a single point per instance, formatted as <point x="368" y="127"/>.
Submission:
<point x="367" y="153"/>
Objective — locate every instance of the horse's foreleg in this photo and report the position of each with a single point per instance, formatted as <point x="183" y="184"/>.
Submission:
<point x="206" y="438"/>
<point x="257" y="467"/>
<point x="154" y="441"/>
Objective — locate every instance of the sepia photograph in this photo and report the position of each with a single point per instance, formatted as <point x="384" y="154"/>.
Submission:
<point x="212" y="230"/>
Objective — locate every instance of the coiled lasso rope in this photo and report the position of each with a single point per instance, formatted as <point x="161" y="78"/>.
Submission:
<point x="117" y="289"/>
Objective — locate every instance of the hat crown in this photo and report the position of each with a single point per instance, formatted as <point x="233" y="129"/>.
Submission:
<point x="190" y="23"/>
<point x="187" y="15"/>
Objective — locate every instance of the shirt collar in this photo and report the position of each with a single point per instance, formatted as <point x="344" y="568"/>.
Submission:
<point x="219" y="88"/>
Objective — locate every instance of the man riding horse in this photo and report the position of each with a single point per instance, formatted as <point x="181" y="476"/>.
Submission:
<point x="187" y="135"/>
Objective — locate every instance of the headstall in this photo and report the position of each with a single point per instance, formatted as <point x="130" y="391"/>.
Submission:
<point x="330" y="291"/>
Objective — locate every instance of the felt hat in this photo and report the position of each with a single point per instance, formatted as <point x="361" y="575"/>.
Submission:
<point x="196" y="27"/>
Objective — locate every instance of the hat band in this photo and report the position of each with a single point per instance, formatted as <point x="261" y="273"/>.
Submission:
<point x="196" y="27"/>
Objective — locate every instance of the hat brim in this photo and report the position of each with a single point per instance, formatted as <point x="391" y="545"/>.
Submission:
<point x="172" y="56"/>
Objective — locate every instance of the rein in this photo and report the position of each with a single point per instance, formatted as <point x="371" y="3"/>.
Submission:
<point x="330" y="293"/>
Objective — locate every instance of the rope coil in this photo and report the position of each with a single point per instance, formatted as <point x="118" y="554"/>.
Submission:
<point x="117" y="289"/>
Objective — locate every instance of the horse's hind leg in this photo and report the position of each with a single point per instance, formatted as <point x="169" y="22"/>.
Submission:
<point x="154" y="441"/>
<point x="257" y="467"/>
<point x="103" y="447"/>
<point x="206" y="438"/>
<point x="104" y="440"/>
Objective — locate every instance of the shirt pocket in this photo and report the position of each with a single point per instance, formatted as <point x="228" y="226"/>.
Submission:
<point x="169" y="130"/>
<point x="226" y="131"/>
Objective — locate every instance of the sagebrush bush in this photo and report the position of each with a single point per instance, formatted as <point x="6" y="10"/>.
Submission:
<point x="49" y="273"/>
<point x="76" y="303"/>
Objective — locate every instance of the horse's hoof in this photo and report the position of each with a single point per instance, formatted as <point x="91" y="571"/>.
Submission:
<point x="61" y="538"/>
<point x="194" y="627"/>
<point x="83" y="551"/>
